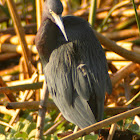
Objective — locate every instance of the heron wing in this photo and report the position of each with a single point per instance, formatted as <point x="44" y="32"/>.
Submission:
<point x="60" y="73"/>
<point x="90" y="78"/>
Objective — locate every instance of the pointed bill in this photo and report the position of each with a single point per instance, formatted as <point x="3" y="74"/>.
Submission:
<point x="59" y="22"/>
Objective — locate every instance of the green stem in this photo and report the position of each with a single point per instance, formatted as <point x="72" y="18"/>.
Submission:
<point x="92" y="13"/>
<point x="136" y="14"/>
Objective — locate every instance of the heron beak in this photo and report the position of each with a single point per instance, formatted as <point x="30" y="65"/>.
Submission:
<point x="59" y="23"/>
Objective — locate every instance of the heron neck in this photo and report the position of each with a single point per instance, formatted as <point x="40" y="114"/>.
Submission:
<point x="46" y="40"/>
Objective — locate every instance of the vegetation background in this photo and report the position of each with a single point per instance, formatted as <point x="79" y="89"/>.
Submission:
<point x="21" y="76"/>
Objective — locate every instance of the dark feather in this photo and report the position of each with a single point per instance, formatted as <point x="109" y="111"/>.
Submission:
<point x="77" y="75"/>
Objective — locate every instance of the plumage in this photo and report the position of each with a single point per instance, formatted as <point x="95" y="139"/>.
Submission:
<point x="75" y="70"/>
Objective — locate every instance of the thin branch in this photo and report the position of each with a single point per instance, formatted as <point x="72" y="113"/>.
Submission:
<point x="116" y="35"/>
<point x="103" y="123"/>
<point x="9" y="71"/>
<point x="30" y="105"/>
<point x="41" y="112"/>
<point x="131" y="100"/>
<point x="137" y="120"/>
<point x="32" y="86"/>
<point x="58" y="117"/>
<point x="52" y="106"/>
<point x="5" y="124"/>
<point x="64" y="134"/>
<point x="122" y="73"/>
<point x="23" y="105"/>
<point x="10" y="96"/>
<point x="13" y="39"/>
<point x="16" y="48"/>
<point x="53" y="128"/>
<point x="125" y="24"/>
<point x="6" y="56"/>
<point x="111" y="45"/>
<point x="20" y="32"/>
<point x="112" y="131"/>
<point x="39" y="4"/>
<point x="25" y="81"/>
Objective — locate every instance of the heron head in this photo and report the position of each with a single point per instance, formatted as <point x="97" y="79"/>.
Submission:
<point x="54" y="9"/>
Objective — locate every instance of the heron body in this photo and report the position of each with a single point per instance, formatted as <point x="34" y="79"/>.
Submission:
<point x="74" y="66"/>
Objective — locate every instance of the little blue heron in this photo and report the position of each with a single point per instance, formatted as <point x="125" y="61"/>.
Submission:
<point x="74" y="65"/>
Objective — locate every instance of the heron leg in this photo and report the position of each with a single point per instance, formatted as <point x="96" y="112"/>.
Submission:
<point x="99" y="132"/>
<point x="75" y="129"/>
<point x="83" y="138"/>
